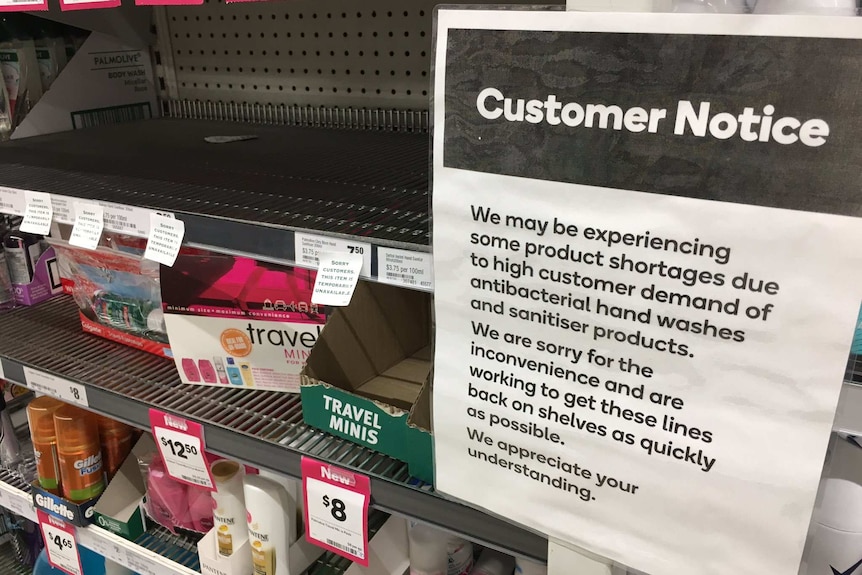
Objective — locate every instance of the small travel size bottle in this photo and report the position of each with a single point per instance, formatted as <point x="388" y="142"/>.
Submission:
<point x="40" y="414"/>
<point x="79" y="453"/>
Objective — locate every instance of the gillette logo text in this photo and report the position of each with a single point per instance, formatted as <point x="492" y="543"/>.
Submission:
<point x="92" y="464"/>
<point x="50" y="504"/>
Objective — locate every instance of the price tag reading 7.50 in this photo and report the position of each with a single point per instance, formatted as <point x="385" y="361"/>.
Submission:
<point x="60" y="544"/>
<point x="336" y="509"/>
<point x="181" y="444"/>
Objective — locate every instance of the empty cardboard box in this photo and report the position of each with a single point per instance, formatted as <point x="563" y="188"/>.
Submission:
<point x="368" y="377"/>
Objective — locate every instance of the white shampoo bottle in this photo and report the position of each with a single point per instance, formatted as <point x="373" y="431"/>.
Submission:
<point x="271" y="514"/>
<point x="228" y="506"/>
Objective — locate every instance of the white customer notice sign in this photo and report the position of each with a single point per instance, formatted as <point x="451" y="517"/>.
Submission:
<point x="646" y="244"/>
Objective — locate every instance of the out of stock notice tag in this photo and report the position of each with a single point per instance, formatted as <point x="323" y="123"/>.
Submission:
<point x="166" y="237"/>
<point x="89" y="223"/>
<point x="336" y="509"/>
<point x="309" y="248"/>
<point x="336" y="278"/>
<point x="60" y="544"/>
<point x="181" y="444"/>
<point x="38" y="214"/>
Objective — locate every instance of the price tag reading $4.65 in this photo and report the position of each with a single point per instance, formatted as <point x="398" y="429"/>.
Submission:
<point x="60" y="543"/>
<point x="181" y="444"/>
<point x="336" y="509"/>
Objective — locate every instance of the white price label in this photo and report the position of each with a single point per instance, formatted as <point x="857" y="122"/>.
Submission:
<point x="309" y="246"/>
<point x="89" y="223"/>
<point x="181" y="444"/>
<point x="405" y="268"/>
<point x="12" y="201"/>
<point x="23" y="506"/>
<point x="60" y="544"/>
<point x="64" y="209"/>
<point x="122" y="219"/>
<point x="336" y="278"/>
<point x="138" y="564"/>
<point x="38" y="214"/>
<point x="166" y="237"/>
<point x="54" y="386"/>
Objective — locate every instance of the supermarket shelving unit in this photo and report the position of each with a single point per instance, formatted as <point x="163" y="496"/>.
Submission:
<point x="336" y="94"/>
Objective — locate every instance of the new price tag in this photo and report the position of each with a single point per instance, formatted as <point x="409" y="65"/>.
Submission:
<point x="336" y="509"/>
<point x="60" y="543"/>
<point x="181" y="443"/>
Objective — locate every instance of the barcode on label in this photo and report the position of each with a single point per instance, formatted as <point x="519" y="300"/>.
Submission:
<point x="406" y="277"/>
<point x="112" y="115"/>
<point x="355" y="551"/>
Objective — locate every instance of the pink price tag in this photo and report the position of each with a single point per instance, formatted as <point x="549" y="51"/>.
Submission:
<point x="183" y="449"/>
<point x="88" y="4"/>
<point x="60" y="544"/>
<point x="336" y="509"/>
<point x="15" y="6"/>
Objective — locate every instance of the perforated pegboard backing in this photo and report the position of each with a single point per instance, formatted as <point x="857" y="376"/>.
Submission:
<point x="369" y="54"/>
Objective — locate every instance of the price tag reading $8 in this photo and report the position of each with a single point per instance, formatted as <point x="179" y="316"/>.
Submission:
<point x="336" y="509"/>
<point x="181" y="444"/>
<point x="60" y="543"/>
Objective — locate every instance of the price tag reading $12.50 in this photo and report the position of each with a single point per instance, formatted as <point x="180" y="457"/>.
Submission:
<point x="336" y="509"/>
<point x="181" y="444"/>
<point x="60" y="543"/>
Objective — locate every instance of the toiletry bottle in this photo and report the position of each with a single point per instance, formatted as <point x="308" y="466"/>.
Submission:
<point x="10" y="449"/>
<point x="427" y="549"/>
<point x="190" y="369"/>
<point x="115" y="439"/>
<point x="460" y="553"/>
<point x="493" y="563"/>
<point x="220" y="372"/>
<point x="233" y="372"/>
<point x="79" y="453"/>
<point x="524" y="566"/>
<point x="40" y="414"/>
<point x="271" y="513"/>
<point x="22" y="254"/>
<point x="228" y="506"/>
<point x="245" y="371"/>
<point x="207" y="371"/>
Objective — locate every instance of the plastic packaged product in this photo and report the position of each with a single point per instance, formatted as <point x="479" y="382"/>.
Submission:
<point x="79" y="453"/>
<point x="428" y="550"/>
<point x="271" y="517"/>
<point x="228" y="506"/>
<point x="493" y="563"/>
<point x="22" y="254"/>
<point x="460" y="556"/>
<point x="115" y="438"/>
<point x="7" y="296"/>
<point x="40" y="414"/>
<point x="10" y="449"/>
<point x="525" y="566"/>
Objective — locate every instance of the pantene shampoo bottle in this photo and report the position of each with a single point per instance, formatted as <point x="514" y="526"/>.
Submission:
<point x="228" y="506"/>
<point x="271" y="513"/>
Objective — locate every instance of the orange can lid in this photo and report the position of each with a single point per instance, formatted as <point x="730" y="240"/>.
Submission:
<point x="40" y="414"/>
<point x="76" y="429"/>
